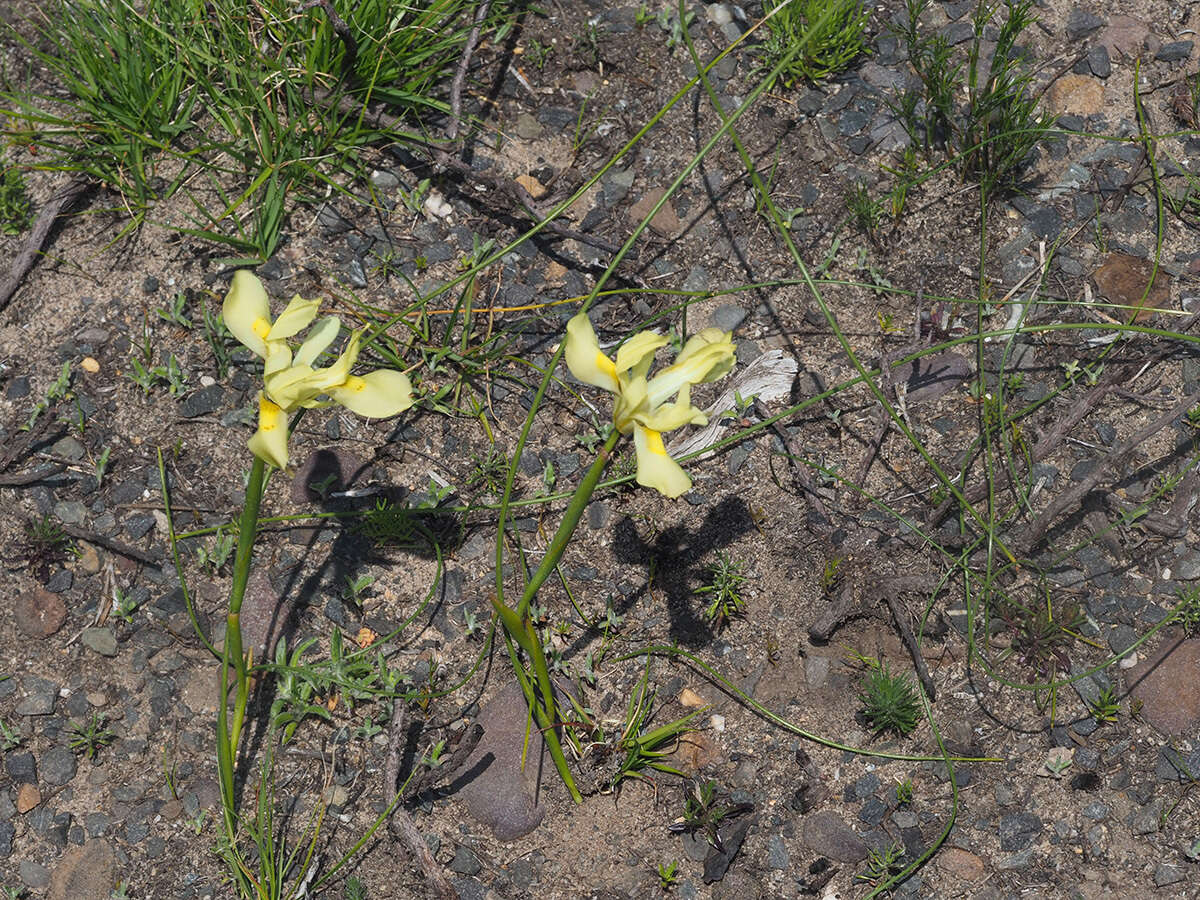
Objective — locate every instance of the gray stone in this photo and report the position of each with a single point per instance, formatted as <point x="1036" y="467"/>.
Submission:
<point x="22" y="767"/>
<point x="465" y="862"/>
<point x="40" y="696"/>
<point x="18" y="388"/>
<point x="695" y="847"/>
<point x="34" y="874"/>
<point x="203" y="402"/>
<point x="873" y="812"/>
<point x="99" y="640"/>
<point x="384" y="181"/>
<point x="331" y="221"/>
<point x="1018" y="830"/>
<point x="1165" y="873"/>
<point x="97" y="823"/>
<point x="1175" y="51"/>
<point x="57" y="766"/>
<point x="138" y="525"/>
<point x="778" y="856"/>
<point x="615" y="185"/>
<point x="728" y="316"/>
<point x="1016" y="862"/>
<point x="7" y="832"/>
<point x="68" y="447"/>
<point x="1081" y="23"/>
<point x="852" y="121"/>
<point x="60" y="581"/>
<point x="732" y="835"/>
<point x="1187" y="567"/>
<point x="1098" y="61"/>
<point x="1098" y="810"/>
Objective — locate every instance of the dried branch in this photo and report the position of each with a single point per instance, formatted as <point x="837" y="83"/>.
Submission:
<point x="62" y="200"/>
<point x="460" y="73"/>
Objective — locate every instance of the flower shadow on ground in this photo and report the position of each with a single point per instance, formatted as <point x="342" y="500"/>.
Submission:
<point x="678" y="557"/>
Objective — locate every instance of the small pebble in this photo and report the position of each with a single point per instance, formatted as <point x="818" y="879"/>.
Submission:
<point x="89" y="365"/>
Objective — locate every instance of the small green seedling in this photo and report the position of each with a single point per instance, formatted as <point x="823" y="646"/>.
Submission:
<point x="724" y="589"/>
<point x="704" y="810"/>
<point x="866" y="213"/>
<point x="882" y="863"/>
<point x="223" y="545"/>
<point x="57" y="391"/>
<point x="904" y="791"/>
<point x="1187" y="612"/>
<point x="890" y="702"/>
<point x="354" y="889"/>
<point x="15" y="211"/>
<point x="645" y="750"/>
<point x="176" y="311"/>
<point x="667" y="878"/>
<point x="10" y="738"/>
<point x="124" y="606"/>
<point x="1105" y="707"/>
<point x="356" y="589"/>
<point x="88" y="740"/>
<point x="368" y="729"/>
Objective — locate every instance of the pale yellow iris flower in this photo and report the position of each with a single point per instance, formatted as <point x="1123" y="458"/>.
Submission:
<point x="644" y="407"/>
<point x="289" y="379"/>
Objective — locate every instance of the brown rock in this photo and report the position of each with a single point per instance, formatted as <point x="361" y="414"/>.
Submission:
<point x="85" y="873"/>
<point x="1124" y="36"/>
<point x="536" y="189"/>
<point x="265" y="616"/>
<point x="1168" y="685"/>
<point x="39" y="613"/>
<point x="960" y="864"/>
<point x="499" y="792"/>
<point x="28" y="797"/>
<point x="1122" y="280"/>
<point x="665" y="222"/>
<point x="1080" y="95"/>
<point x="827" y="834"/>
<point x="89" y="559"/>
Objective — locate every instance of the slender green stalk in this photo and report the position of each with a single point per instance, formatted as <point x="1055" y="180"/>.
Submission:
<point x="570" y="520"/>
<point x="228" y="737"/>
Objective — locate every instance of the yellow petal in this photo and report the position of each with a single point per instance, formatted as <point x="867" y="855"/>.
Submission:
<point x="638" y="351"/>
<point x="704" y="362"/>
<point x="295" y="318"/>
<point x="292" y="387"/>
<point x="319" y="338"/>
<point x="584" y="358"/>
<point x="336" y="374"/>
<point x="670" y="416"/>
<point x="279" y="357"/>
<point x="630" y="403"/>
<point x="376" y="395"/>
<point x="269" y="443"/>
<point x="655" y="469"/>
<point x="247" y="311"/>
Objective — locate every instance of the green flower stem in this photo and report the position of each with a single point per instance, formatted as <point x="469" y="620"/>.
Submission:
<point x="521" y="631"/>
<point x="233" y="655"/>
<point x="570" y="521"/>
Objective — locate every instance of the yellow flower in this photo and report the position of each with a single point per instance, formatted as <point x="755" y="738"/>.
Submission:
<point x="645" y="408"/>
<point x="289" y="379"/>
